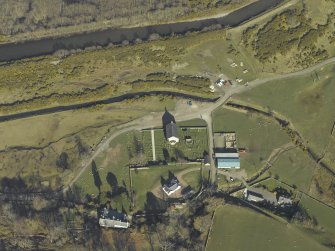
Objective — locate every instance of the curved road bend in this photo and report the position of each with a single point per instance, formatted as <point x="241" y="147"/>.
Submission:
<point x="205" y="113"/>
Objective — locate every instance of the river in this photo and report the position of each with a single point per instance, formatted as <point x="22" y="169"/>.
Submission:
<point x="13" y="51"/>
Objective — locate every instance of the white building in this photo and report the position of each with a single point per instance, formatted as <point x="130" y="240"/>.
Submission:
<point x="171" y="186"/>
<point x="172" y="134"/>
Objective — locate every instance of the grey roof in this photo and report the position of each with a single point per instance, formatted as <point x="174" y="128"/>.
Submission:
<point x="261" y="193"/>
<point x="284" y="200"/>
<point x="226" y="155"/>
<point x="113" y="223"/>
<point x="171" y="130"/>
<point x="253" y="196"/>
<point x="172" y="184"/>
<point x="112" y="214"/>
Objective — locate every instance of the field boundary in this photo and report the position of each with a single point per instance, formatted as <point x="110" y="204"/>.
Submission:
<point x="210" y="228"/>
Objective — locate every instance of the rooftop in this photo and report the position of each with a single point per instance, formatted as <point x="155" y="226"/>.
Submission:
<point x="172" y="130"/>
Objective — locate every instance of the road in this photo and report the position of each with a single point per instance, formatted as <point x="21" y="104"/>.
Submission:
<point x="204" y="112"/>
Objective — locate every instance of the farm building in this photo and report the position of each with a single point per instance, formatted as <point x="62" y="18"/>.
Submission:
<point x="171" y="132"/>
<point x="226" y="154"/>
<point x="171" y="186"/>
<point x="253" y="196"/>
<point x="258" y="195"/>
<point x="114" y="219"/>
<point x="283" y="201"/>
<point x="229" y="160"/>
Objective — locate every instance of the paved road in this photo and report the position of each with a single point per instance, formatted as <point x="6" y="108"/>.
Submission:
<point x="204" y="112"/>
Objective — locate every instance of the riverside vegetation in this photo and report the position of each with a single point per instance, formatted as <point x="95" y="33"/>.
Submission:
<point x="34" y="18"/>
<point x="42" y="154"/>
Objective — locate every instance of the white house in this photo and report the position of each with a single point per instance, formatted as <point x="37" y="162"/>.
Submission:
<point x="171" y="186"/>
<point x="172" y="134"/>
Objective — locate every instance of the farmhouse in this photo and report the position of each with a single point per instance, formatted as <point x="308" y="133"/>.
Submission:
<point x="283" y="201"/>
<point x="171" y="186"/>
<point x="258" y="195"/>
<point x="253" y="196"/>
<point x="172" y="134"/>
<point x="114" y="219"/>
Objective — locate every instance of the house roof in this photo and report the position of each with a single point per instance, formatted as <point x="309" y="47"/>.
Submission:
<point x="261" y="193"/>
<point x="112" y="215"/>
<point x="113" y="223"/>
<point x="284" y="200"/>
<point x="111" y="218"/>
<point x="171" y="130"/>
<point x="228" y="162"/>
<point x="172" y="184"/>
<point x="227" y="155"/>
<point x="254" y="196"/>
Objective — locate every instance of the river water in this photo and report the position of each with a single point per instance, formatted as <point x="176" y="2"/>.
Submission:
<point x="45" y="46"/>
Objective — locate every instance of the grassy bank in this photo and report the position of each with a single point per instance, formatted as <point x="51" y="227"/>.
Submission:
<point x="32" y="148"/>
<point x="259" y="135"/>
<point x="236" y="228"/>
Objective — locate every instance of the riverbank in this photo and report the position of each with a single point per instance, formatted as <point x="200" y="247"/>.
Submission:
<point x="15" y="51"/>
<point x="130" y="22"/>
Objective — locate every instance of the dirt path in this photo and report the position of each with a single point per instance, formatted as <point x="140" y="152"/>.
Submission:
<point x="153" y="145"/>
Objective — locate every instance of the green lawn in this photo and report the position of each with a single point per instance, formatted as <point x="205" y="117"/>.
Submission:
<point x="254" y="132"/>
<point x="145" y="180"/>
<point x="192" y="151"/>
<point x="271" y="184"/>
<point x="307" y="101"/>
<point x="237" y="228"/>
<point x="295" y="168"/>
<point x="192" y="122"/>
<point x="193" y="179"/>
<point x="324" y="215"/>
<point x="114" y="160"/>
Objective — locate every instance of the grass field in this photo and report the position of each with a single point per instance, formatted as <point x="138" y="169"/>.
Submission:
<point x="116" y="161"/>
<point x="144" y="181"/>
<point x="306" y="101"/>
<point x="31" y="147"/>
<point x="271" y="184"/>
<point x="193" y="179"/>
<point x="324" y="216"/>
<point x="182" y="150"/>
<point x="192" y="122"/>
<point x="235" y="228"/>
<point x="256" y="133"/>
<point x="295" y="168"/>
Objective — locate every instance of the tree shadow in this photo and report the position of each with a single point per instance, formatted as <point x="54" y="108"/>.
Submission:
<point x="163" y="181"/>
<point x="171" y="175"/>
<point x="167" y="118"/>
<point x="166" y="155"/>
<point x="154" y="204"/>
<point x="96" y="176"/>
<point x="112" y="181"/>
